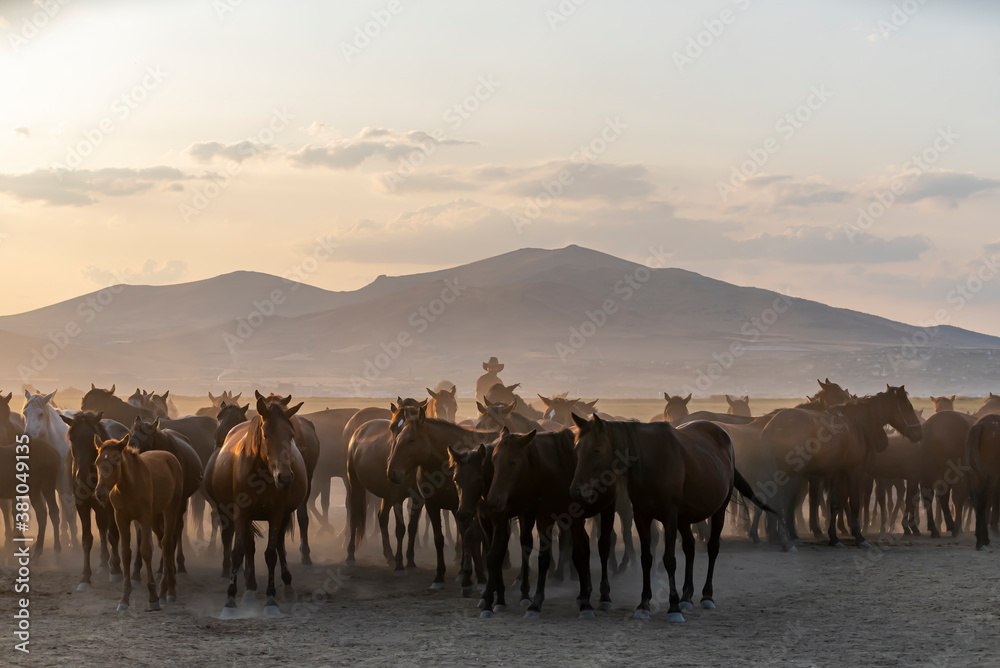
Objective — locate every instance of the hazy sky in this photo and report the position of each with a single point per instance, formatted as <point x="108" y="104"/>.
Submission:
<point x="175" y="141"/>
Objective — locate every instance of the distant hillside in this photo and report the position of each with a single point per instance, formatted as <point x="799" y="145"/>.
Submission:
<point x="568" y="319"/>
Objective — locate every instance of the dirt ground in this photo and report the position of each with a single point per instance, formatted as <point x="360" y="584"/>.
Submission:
<point x="912" y="602"/>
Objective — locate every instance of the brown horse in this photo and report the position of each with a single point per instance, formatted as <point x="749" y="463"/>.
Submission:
<point x="983" y="457"/>
<point x="37" y="464"/>
<point x="258" y="475"/>
<point x="367" y="455"/>
<point x="216" y="403"/>
<point x="329" y="424"/>
<point x="991" y="406"/>
<point x="505" y="394"/>
<point x="835" y="444"/>
<point x="942" y="404"/>
<point x="496" y="416"/>
<point x="83" y="428"/>
<point x="942" y="468"/>
<point x="675" y="410"/>
<point x="228" y="416"/>
<point x="532" y="475"/>
<point x="443" y="404"/>
<point x="674" y="476"/>
<point x="739" y="406"/>
<point x="421" y="446"/>
<point x="146" y="437"/>
<point x="144" y="488"/>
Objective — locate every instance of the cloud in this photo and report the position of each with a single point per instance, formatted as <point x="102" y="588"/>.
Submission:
<point x="826" y="245"/>
<point x="79" y="187"/>
<point x="152" y="272"/>
<point x="948" y="187"/>
<point x="22" y="132"/>
<point x="244" y="150"/>
<point x="773" y="192"/>
<point x="371" y="142"/>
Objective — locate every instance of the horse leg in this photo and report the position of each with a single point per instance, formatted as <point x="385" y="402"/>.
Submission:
<point x="411" y="529"/>
<point x="643" y="524"/>
<point x="581" y="563"/>
<point x="178" y="537"/>
<point x="526" y="526"/>
<point x="38" y="504"/>
<point x="470" y="542"/>
<point x="302" y="514"/>
<point x="397" y="511"/>
<point x="927" y="494"/>
<point x="137" y="567"/>
<point x="754" y="525"/>
<point x="857" y="494"/>
<point x="173" y="523"/>
<point x="383" y="525"/>
<point x="605" y="548"/>
<point x="114" y="545"/>
<point x="249" y="567"/>
<point x="687" y="544"/>
<point x="950" y="522"/>
<point x="707" y="593"/>
<point x="835" y="501"/>
<point x="670" y="563"/>
<point x="146" y="551"/>
<point x="241" y="529"/>
<point x="227" y="530"/>
<point x="87" y="539"/>
<point x="545" y="528"/>
<point x="286" y="575"/>
<point x="494" y="568"/>
<point x="980" y="498"/>
<point x="435" y="516"/>
<point x="626" y="517"/>
<point x="274" y="534"/>
<point x="125" y="543"/>
<point x="198" y="517"/>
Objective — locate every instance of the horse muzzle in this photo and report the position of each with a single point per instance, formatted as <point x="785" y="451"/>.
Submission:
<point x="497" y="502"/>
<point x="914" y="433"/>
<point x="283" y="480"/>
<point x="395" y="476"/>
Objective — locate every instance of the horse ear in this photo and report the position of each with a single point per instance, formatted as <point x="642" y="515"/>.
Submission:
<point x="124" y="441"/>
<point x="165" y="395"/>
<point x="156" y="424"/>
<point x="489" y="404"/>
<point x="598" y="423"/>
<point x="687" y="399"/>
<point x="245" y="409"/>
<point x="287" y="400"/>
<point x="399" y="401"/>
<point x="482" y="451"/>
<point x="258" y="395"/>
<point x="547" y="402"/>
<point x="430" y="393"/>
<point x="112" y="390"/>
<point x="746" y="398"/>
<point x="514" y="386"/>
<point x="504" y="432"/>
<point x="507" y="410"/>
<point x="261" y="406"/>
<point x="482" y="409"/>
<point x="527" y="438"/>
<point x="423" y="404"/>
<point x="236" y="399"/>
<point x="99" y="417"/>
<point x="136" y="422"/>
<point x="421" y="414"/>
<point x="584" y="425"/>
<point x="93" y="387"/>
<point x="98" y="442"/>
<point x="454" y="454"/>
<point x="666" y="397"/>
<point x="9" y="395"/>
<point x="729" y="400"/>
<point x="27" y="395"/>
<point x="67" y="420"/>
<point x="454" y="390"/>
<point x="289" y="412"/>
<point x="953" y="397"/>
<point x="211" y="398"/>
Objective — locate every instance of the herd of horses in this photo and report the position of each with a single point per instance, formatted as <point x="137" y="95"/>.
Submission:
<point x="554" y="475"/>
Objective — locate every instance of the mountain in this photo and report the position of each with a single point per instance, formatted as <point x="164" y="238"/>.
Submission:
<point x="566" y="319"/>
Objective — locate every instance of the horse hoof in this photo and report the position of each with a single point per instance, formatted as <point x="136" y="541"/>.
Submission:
<point x="122" y="607"/>
<point x="230" y="612"/>
<point x="641" y="614"/>
<point x="249" y="597"/>
<point x="399" y="573"/>
<point x="675" y="618"/>
<point x="687" y="606"/>
<point x="482" y="604"/>
<point x="436" y="585"/>
<point x="486" y="614"/>
<point x="272" y="611"/>
<point x="171" y="598"/>
<point x="604" y="606"/>
<point x="115" y="577"/>
<point x="586" y="614"/>
<point x="532" y="614"/>
<point x="154" y="606"/>
<point x="525" y="602"/>
<point x="466" y="592"/>
<point x="162" y="602"/>
<point x="707" y="604"/>
<point x="865" y="544"/>
<point x="981" y="548"/>
<point x="83" y="586"/>
<point x="500" y="608"/>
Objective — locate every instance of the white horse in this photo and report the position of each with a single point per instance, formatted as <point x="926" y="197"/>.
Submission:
<point x="42" y="421"/>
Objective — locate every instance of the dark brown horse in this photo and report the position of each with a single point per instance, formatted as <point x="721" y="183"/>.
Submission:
<point x="35" y="464"/>
<point x="494" y="416"/>
<point x="83" y="428"/>
<point x="942" y="473"/>
<point x="674" y="476"/>
<point x="506" y="394"/>
<point x="258" y="475"/>
<point x="835" y="444"/>
<point x="420" y="446"/>
<point x="675" y="410"/>
<point x="367" y="455"/>
<point x="983" y="457"/>
<point x="144" y="488"/>
<point x="443" y="404"/>
<point x="739" y="406"/>
<point x="330" y="425"/>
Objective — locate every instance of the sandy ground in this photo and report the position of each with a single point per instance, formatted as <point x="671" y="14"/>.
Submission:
<point x="913" y="602"/>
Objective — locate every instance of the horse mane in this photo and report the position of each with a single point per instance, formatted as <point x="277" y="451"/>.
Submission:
<point x="625" y="433"/>
<point x="865" y="414"/>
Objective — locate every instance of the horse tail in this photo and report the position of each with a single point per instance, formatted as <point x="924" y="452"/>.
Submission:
<point x="744" y="488"/>
<point x="256" y="530"/>
<point x="972" y="442"/>
<point x="358" y="504"/>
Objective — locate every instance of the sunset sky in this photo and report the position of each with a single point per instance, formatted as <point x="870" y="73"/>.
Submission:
<point x="168" y="142"/>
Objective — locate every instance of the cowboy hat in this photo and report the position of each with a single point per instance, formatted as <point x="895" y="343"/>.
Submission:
<point x="493" y="365"/>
